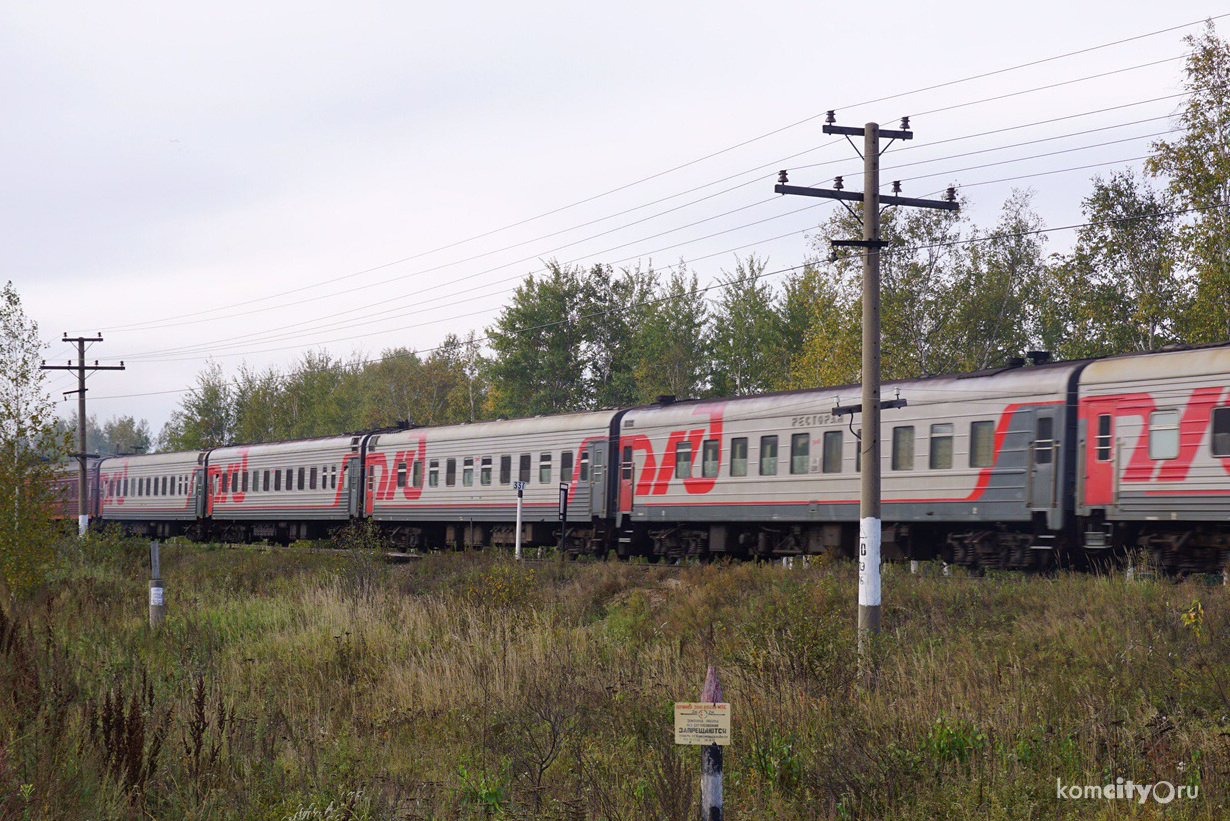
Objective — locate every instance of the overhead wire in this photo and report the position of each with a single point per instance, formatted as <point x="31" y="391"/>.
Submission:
<point x="711" y="155"/>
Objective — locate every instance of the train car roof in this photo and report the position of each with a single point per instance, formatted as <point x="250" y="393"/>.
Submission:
<point x="1149" y="366"/>
<point x="151" y="460"/>
<point x="579" y="421"/>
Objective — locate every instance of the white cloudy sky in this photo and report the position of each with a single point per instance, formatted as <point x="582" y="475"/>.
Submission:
<point x="249" y="180"/>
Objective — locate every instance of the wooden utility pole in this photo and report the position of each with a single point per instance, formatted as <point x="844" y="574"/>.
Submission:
<point x="83" y="510"/>
<point x="869" y="503"/>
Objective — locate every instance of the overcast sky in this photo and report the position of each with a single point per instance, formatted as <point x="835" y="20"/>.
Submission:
<point x="246" y="181"/>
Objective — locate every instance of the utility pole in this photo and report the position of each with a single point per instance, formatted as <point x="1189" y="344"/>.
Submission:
<point x="869" y="503"/>
<point x="83" y="511"/>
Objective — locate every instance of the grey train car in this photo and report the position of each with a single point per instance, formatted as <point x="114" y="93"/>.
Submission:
<point x="454" y="485"/>
<point x="978" y="467"/>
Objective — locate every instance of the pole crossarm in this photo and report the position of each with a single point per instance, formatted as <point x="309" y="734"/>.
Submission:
<point x="855" y="196"/>
<point x="854" y="131"/>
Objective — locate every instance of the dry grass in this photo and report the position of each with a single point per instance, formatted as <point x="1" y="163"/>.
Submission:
<point x="307" y="685"/>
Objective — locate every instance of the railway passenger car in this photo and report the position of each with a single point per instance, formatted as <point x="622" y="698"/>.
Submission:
<point x="284" y="491"/>
<point x="454" y="485"/>
<point x="1155" y="458"/>
<point x="158" y="495"/>
<point x="977" y="467"/>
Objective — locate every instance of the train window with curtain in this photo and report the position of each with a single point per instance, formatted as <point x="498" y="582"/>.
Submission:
<point x="683" y="460"/>
<point x="800" y="453"/>
<point x="505" y="470"/>
<point x="265" y="481"/>
<point x="333" y="477"/>
<point x="467" y="472"/>
<point x="1104" y="438"/>
<point x="544" y="469"/>
<point x="416" y="473"/>
<point x="981" y="444"/>
<point x="1221" y="432"/>
<point x="831" y="460"/>
<point x="585" y="466"/>
<point x="433" y="473"/>
<point x="484" y="473"/>
<point x="711" y="458"/>
<point x="941" y="446"/>
<point x="768" y="456"/>
<point x="1164" y="435"/>
<point x="523" y="467"/>
<point x="738" y="456"/>
<point x="450" y="472"/>
<point x="401" y="475"/>
<point x="903" y="447"/>
<point x="565" y="466"/>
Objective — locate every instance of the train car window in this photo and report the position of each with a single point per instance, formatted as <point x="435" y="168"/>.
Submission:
<point x="226" y="482"/>
<point x="433" y="473"/>
<point x="1221" y="432"/>
<point x="738" y="456"/>
<point x="683" y="460"/>
<point x="401" y="475"/>
<point x="523" y="467"/>
<point x="903" y="447"/>
<point x="585" y="466"/>
<point x="124" y="487"/>
<point x="244" y="482"/>
<point x="544" y="469"/>
<point x="1044" y="440"/>
<point x="505" y="469"/>
<point x="831" y="458"/>
<point x="1104" y="438"/>
<point x="290" y="478"/>
<point x="333" y="477"/>
<point x="450" y="472"/>
<point x="467" y="473"/>
<point x="416" y="473"/>
<point x="265" y="482"/>
<point x="277" y="480"/>
<point x="711" y="458"/>
<point x="768" y="456"/>
<point x="941" y="446"/>
<point x="981" y="444"/>
<point x="312" y="478"/>
<point x="484" y="471"/>
<point x="1164" y="435"/>
<point x="627" y="466"/>
<point x="565" y="466"/>
<point x="301" y="484"/>
<point x="800" y="452"/>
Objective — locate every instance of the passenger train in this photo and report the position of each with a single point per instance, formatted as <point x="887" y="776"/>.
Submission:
<point x="1027" y="466"/>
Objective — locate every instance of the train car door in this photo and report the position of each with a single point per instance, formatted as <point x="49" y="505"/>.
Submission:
<point x="200" y="489"/>
<point x="627" y="480"/>
<point x="352" y="480"/>
<point x="597" y="479"/>
<point x="1043" y="455"/>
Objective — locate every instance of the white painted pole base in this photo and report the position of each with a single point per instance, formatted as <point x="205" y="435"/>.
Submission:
<point x="517" y="550"/>
<point x="711" y="783"/>
<point x="83" y="525"/>
<point x="157" y="604"/>
<point x="913" y="567"/>
<point x="868" y="584"/>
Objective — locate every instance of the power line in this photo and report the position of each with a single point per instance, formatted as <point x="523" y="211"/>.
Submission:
<point x="696" y="161"/>
<point x="269" y="335"/>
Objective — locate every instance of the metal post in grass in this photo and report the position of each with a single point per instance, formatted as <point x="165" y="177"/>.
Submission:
<point x="711" y="757"/>
<point x="520" y="486"/>
<point x="157" y="594"/>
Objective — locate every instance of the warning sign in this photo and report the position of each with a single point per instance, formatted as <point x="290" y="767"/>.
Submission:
<point x="702" y="723"/>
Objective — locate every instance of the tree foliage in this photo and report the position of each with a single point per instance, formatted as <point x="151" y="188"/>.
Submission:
<point x="28" y="436"/>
